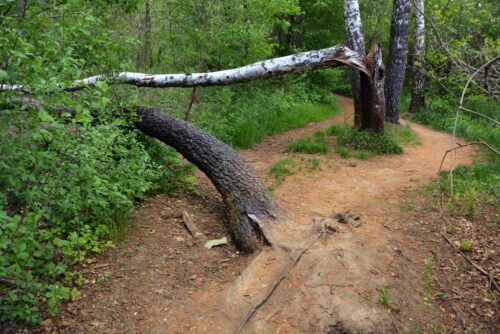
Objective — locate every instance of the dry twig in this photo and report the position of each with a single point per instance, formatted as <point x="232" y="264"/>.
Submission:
<point x="493" y="282"/>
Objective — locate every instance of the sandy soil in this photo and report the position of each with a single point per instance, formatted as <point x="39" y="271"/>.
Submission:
<point x="360" y="279"/>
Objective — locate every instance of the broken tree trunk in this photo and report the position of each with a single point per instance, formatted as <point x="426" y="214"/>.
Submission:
<point x="372" y="89"/>
<point x="355" y="41"/>
<point x="242" y="190"/>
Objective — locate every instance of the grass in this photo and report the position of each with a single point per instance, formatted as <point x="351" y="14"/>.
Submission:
<point x="312" y="165"/>
<point x="283" y="168"/>
<point x="289" y="166"/>
<point x="252" y="128"/>
<point x="309" y="145"/>
<point x="385" y="299"/>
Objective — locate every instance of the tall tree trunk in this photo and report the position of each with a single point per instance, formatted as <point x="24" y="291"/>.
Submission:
<point x="396" y="64"/>
<point x="372" y="92"/>
<point x="145" y="56"/>
<point x="356" y="42"/>
<point x="418" y="80"/>
<point x="242" y="190"/>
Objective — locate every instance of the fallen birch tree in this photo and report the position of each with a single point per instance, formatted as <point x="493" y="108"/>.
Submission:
<point x="330" y="57"/>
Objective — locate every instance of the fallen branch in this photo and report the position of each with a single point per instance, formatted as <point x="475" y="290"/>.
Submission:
<point x="192" y="228"/>
<point x="493" y="282"/>
<point x="479" y="142"/>
<point x="479" y="114"/>
<point x="276" y="283"/>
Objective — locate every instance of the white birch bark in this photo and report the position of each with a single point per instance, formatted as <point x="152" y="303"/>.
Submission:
<point x="352" y="16"/>
<point x="355" y="41"/>
<point x="418" y="82"/>
<point x="330" y="57"/>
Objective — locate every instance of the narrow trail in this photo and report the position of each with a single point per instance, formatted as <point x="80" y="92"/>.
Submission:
<point x="161" y="281"/>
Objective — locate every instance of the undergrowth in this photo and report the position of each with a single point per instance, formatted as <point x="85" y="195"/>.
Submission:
<point x="476" y="185"/>
<point x="244" y="115"/>
<point x="66" y="191"/>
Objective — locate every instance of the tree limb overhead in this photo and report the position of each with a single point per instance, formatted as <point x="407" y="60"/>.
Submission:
<point x="330" y="57"/>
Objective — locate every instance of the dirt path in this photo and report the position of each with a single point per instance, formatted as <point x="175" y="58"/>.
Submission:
<point x="361" y="279"/>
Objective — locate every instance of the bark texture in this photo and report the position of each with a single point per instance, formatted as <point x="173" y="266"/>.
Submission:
<point x="241" y="188"/>
<point x="418" y="81"/>
<point x="372" y="87"/>
<point x="396" y="64"/>
<point x="355" y="41"/>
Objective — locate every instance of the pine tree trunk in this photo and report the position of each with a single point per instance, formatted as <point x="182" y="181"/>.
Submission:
<point x="356" y="42"/>
<point x="396" y="64"/>
<point x="418" y="82"/>
<point x="241" y="188"/>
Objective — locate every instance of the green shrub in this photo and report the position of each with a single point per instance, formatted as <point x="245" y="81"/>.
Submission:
<point x="309" y="145"/>
<point x="351" y="142"/>
<point x="66" y="189"/>
<point x="343" y="152"/>
<point x="364" y="143"/>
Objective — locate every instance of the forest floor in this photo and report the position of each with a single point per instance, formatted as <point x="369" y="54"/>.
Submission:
<point x="394" y="273"/>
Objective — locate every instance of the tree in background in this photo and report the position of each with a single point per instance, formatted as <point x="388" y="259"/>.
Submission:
<point x="367" y="91"/>
<point x="355" y="41"/>
<point x="397" y="56"/>
<point x="418" y="79"/>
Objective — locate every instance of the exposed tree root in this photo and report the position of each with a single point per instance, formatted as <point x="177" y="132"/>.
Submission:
<point x="293" y="262"/>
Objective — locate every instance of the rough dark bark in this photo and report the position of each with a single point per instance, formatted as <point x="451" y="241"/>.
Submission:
<point x="418" y="81"/>
<point x="241" y="188"/>
<point x="355" y="41"/>
<point x="372" y="92"/>
<point x="396" y="64"/>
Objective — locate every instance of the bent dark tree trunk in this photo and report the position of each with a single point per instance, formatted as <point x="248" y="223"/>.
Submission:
<point x="355" y="41"/>
<point x="396" y="65"/>
<point x="372" y="92"/>
<point x="241" y="188"/>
